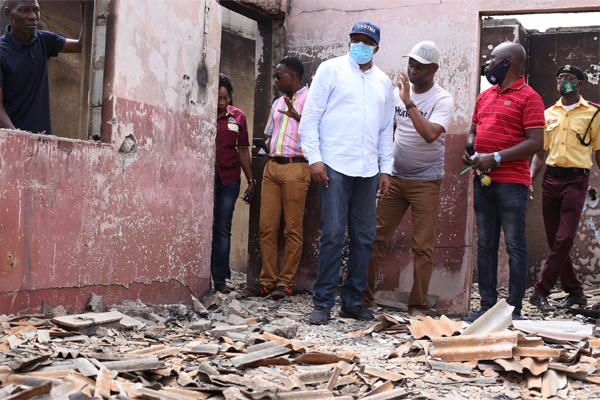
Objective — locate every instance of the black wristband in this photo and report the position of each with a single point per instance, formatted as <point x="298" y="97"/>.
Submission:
<point x="410" y="105"/>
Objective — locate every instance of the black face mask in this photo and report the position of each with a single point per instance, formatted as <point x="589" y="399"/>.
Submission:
<point x="496" y="75"/>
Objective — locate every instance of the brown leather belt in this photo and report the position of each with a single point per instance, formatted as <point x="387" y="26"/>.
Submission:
<point x="559" y="172"/>
<point x="288" y="160"/>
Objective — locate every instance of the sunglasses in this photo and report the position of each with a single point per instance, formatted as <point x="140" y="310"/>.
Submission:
<point x="279" y="76"/>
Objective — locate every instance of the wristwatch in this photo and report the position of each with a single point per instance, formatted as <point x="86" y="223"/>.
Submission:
<point x="497" y="157"/>
<point x="410" y="105"/>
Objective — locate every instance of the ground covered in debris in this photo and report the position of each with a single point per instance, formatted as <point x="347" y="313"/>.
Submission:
<point x="236" y="347"/>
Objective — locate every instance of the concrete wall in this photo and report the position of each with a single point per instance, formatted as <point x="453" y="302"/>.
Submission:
<point x="79" y="217"/>
<point x="317" y="31"/>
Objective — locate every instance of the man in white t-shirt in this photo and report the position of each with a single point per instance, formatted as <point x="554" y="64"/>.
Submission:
<point x="423" y="114"/>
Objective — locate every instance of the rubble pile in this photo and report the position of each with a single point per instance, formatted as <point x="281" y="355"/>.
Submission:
<point x="236" y="347"/>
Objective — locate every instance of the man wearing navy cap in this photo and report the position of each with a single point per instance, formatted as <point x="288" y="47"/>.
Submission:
<point x="25" y="50"/>
<point x="572" y="132"/>
<point x="346" y="134"/>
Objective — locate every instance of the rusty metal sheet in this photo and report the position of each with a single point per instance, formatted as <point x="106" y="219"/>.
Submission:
<point x="535" y="366"/>
<point x="538" y="352"/>
<point x="490" y="346"/>
<point x="562" y="331"/>
<point x="496" y="319"/>
<point x="552" y="382"/>
<point x="382" y="373"/>
<point x="510" y="364"/>
<point x="431" y="328"/>
<point x="251" y="358"/>
<point x="308" y="395"/>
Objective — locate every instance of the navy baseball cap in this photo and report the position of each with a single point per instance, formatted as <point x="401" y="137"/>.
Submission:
<point x="366" y="28"/>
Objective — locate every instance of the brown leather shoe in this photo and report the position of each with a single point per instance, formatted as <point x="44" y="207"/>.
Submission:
<point x="572" y="300"/>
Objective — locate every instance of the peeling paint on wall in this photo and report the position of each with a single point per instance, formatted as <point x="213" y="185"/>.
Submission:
<point x="131" y="218"/>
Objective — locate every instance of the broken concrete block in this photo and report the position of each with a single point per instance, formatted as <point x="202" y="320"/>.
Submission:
<point x="59" y="311"/>
<point x="234" y="319"/>
<point x="283" y="327"/>
<point x="199" y="307"/>
<point x="201" y="325"/>
<point x="94" y="303"/>
<point x="235" y="308"/>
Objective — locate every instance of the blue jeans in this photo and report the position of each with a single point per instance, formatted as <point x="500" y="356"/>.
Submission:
<point x="225" y="198"/>
<point x="348" y="200"/>
<point x="501" y="205"/>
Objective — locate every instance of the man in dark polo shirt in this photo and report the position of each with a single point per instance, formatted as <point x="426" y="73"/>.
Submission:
<point x="24" y="54"/>
<point x="507" y="128"/>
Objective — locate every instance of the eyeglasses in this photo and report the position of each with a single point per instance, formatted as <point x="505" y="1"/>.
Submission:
<point x="567" y="78"/>
<point x="279" y="76"/>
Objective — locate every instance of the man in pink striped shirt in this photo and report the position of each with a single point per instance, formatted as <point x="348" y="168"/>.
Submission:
<point x="285" y="183"/>
<point x="507" y="128"/>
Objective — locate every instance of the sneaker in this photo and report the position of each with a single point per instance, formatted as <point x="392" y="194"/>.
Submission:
<point x="281" y="292"/>
<point x="541" y="302"/>
<point x="471" y="318"/>
<point x="258" y="291"/>
<point x="358" y="312"/>
<point x="572" y="300"/>
<point x="222" y="287"/>
<point x="319" y="316"/>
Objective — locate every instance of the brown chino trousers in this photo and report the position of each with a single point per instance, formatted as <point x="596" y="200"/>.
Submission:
<point x="284" y="186"/>
<point x="424" y="199"/>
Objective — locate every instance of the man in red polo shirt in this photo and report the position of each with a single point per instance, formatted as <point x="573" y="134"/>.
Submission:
<point x="508" y="127"/>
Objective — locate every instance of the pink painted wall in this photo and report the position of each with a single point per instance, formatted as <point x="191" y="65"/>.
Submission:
<point x="318" y="30"/>
<point x="77" y="217"/>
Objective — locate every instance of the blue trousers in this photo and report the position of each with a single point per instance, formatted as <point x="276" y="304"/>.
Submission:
<point x="225" y="198"/>
<point x="348" y="201"/>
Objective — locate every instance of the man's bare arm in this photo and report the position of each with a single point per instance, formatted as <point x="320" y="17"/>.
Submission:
<point x="533" y="143"/>
<point x="5" y="121"/>
<point x="72" y="45"/>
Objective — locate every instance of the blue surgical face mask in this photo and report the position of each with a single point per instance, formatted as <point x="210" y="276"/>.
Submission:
<point x="361" y="53"/>
<point x="496" y="75"/>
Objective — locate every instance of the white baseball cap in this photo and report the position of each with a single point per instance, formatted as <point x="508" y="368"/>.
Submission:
<point x="425" y="52"/>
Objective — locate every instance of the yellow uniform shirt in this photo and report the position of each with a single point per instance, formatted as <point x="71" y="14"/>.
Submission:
<point x="560" y="135"/>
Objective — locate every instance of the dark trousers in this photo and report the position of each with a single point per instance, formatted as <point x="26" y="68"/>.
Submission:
<point x="562" y="204"/>
<point x="501" y="206"/>
<point x="348" y="201"/>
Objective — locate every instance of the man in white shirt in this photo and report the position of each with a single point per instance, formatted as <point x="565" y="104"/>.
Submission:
<point x="423" y="113"/>
<point x="346" y="134"/>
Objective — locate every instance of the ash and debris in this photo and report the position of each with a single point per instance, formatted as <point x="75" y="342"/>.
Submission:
<point x="230" y="346"/>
